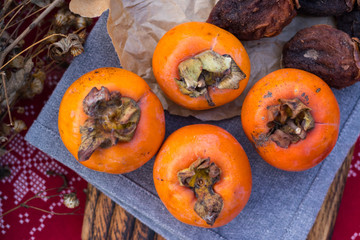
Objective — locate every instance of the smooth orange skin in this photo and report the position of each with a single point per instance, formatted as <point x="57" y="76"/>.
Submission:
<point x="123" y="157"/>
<point x="290" y="83"/>
<point x="182" y="148"/>
<point x="187" y="40"/>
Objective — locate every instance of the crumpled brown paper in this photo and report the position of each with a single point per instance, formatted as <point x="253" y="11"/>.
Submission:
<point x="89" y="8"/>
<point x="135" y="27"/>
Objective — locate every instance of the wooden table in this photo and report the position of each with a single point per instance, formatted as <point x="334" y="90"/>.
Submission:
<point x="104" y="219"/>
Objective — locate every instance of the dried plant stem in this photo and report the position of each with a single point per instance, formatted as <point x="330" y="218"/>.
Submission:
<point x="36" y="54"/>
<point x="21" y="204"/>
<point x="5" y="7"/>
<point x="24" y="204"/>
<point x="27" y="30"/>
<point x="11" y="210"/>
<point x="6" y="97"/>
<point x="50" y="67"/>
<point x="13" y="16"/>
<point x="30" y="15"/>
<point x="45" y="38"/>
<point x="40" y="32"/>
<point x="53" y="213"/>
<point x="80" y="29"/>
<point x="14" y="9"/>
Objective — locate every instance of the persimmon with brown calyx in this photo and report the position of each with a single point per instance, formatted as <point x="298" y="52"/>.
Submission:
<point x="111" y="121"/>
<point x="202" y="175"/>
<point x="292" y="118"/>
<point x="200" y="66"/>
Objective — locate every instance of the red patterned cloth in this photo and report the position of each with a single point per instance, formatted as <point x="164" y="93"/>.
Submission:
<point x="347" y="224"/>
<point x="28" y="167"/>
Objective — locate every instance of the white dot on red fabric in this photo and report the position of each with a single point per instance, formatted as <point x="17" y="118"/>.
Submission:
<point x="3" y="231"/>
<point x="354" y="236"/>
<point x="21" y="221"/>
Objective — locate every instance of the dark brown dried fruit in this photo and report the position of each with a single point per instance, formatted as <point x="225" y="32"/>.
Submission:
<point x="252" y="19"/>
<point x="326" y="52"/>
<point x="350" y="23"/>
<point x="324" y="7"/>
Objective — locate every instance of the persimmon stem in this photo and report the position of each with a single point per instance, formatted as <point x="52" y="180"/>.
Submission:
<point x="112" y="119"/>
<point x="201" y="177"/>
<point x="208" y="69"/>
<point x="289" y="122"/>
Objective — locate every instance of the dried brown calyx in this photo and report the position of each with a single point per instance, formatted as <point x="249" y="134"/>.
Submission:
<point x="201" y="177"/>
<point x="208" y="69"/>
<point x="112" y="118"/>
<point x="289" y="122"/>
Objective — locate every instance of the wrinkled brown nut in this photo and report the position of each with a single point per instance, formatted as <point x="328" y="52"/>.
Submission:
<point x="326" y="52"/>
<point x="252" y="19"/>
<point x="350" y="23"/>
<point x="324" y="7"/>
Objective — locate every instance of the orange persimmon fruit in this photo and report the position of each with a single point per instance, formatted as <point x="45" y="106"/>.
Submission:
<point x="292" y="118"/>
<point x="200" y="66"/>
<point x="111" y="121"/>
<point x="202" y="175"/>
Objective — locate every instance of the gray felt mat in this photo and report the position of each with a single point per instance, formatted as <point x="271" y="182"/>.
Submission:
<point x="283" y="205"/>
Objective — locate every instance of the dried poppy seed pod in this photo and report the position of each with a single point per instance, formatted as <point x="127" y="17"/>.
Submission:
<point x="252" y="19"/>
<point x="324" y="7"/>
<point x="71" y="200"/>
<point x="61" y="18"/>
<point x="72" y="44"/>
<point x="19" y="126"/>
<point x="326" y="52"/>
<point x="18" y="62"/>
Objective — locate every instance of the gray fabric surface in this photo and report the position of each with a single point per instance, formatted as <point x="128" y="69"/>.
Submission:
<point x="283" y="205"/>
